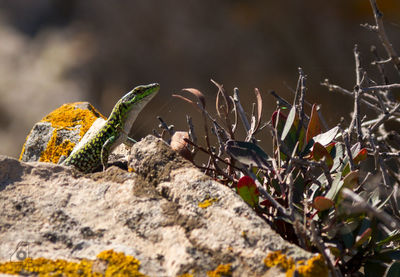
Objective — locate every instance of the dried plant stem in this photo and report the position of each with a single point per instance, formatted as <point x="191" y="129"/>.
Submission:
<point x="364" y="206"/>
<point x="356" y="121"/>
<point x="383" y="37"/>
<point x="240" y="110"/>
<point x="319" y="244"/>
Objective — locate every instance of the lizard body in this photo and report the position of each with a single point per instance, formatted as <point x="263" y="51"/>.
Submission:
<point x="95" y="151"/>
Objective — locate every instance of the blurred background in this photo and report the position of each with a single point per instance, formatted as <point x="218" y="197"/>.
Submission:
<point x="56" y="51"/>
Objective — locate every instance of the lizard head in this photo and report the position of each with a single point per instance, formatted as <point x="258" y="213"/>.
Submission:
<point x="129" y="106"/>
<point x="140" y="95"/>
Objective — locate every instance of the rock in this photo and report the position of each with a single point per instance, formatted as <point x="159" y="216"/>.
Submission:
<point x="166" y="214"/>
<point x="58" y="132"/>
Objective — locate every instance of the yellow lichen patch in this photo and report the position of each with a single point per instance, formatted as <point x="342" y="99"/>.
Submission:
<point x="55" y="150"/>
<point x="117" y="264"/>
<point x="313" y="267"/>
<point x="221" y="270"/>
<point x="208" y="202"/>
<point x="186" y="275"/>
<point x="74" y="116"/>
<point x="70" y="115"/>
<point x="278" y="259"/>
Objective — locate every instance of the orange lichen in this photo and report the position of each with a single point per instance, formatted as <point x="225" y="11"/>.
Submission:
<point x="55" y="150"/>
<point x="313" y="267"/>
<point x="221" y="270"/>
<point x="208" y="202"/>
<point x="67" y="117"/>
<point x="186" y="275"/>
<point x="278" y="259"/>
<point x="117" y="264"/>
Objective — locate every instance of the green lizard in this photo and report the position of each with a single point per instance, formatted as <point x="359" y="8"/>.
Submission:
<point x="95" y="151"/>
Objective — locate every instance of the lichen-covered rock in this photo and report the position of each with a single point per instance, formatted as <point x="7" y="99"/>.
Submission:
<point x="162" y="211"/>
<point x="58" y="132"/>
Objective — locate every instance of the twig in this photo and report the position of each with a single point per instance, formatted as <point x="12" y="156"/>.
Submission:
<point x="300" y="105"/>
<point x="318" y="243"/>
<point x="383" y="37"/>
<point x="363" y="205"/>
<point x="211" y="154"/>
<point x="386" y="180"/>
<point x="379" y="64"/>
<point x="382" y="87"/>
<point x="348" y="151"/>
<point x="332" y="87"/>
<point x="192" y="134"/>
<point x="282" y="102"/>
<point x="163" y="125"/>
<point x="355" y="121"/>
<point x="240" y="110"/>
<point x="384" y="117"/>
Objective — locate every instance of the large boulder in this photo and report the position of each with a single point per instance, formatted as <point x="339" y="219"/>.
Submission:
<point x="162" y="211"/>
<point x="58" y="132"/>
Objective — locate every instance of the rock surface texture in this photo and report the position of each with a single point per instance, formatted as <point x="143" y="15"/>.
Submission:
<point x="162" y="211"/>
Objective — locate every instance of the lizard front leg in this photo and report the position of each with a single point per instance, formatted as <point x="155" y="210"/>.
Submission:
<point x="105" y="151"/>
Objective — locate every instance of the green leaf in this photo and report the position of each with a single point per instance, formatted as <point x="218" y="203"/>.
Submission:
<point x="395" y="236"/>
<point x="358" y="156"/>
<point x="363" y="237"/>
<point x="337" y="155"/>
<point x="289" y="122"/>
<point x="247" y="153"/>
<point x="327" y="137"/>
<point x="320" y="152"/>
<point x="393" y="270"/>
<point x="247" y="189"/>
<point x="335" y="188"/>
<point x="387" y="256"/>
<point x="314" y="126"/>
<point x="351" y="180"/>
<point x="373" y="269"/>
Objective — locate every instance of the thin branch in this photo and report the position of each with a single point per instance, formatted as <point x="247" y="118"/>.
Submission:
<point x="383" y="37"/>
<point x="319" y="244"/>
<point x="332" y="87"/>
<point x="382" y="87"/>
<point x="355" y="121"/>
<point x="282" y="102"/>
<point x="384" y="117"/>
<point x="363" y="205"/>
<point x="240" y="110"/>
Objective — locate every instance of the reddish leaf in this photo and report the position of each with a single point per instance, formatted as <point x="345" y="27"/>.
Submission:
<point x="198" y="94"/>
<point x="314" y="126"/>
<point x="248" y="190"/>
<point x="320" y="152"/>
<point x="330" y="146"/>
<point x="282" y="118"/>
<point x="266" y="203"/>
<point x="361" y="156"/>
<point x="363" y="237"/>
<point x="322" y="203"/>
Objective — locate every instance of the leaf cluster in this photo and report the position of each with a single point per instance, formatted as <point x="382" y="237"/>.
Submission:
<point x="333" y="190"/>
